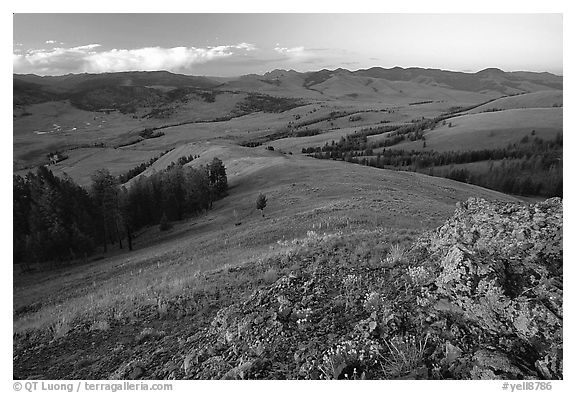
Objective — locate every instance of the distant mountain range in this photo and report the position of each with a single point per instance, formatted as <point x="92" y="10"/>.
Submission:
<point x="146" y="87"/>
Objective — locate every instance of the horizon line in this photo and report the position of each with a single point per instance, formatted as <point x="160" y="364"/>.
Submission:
<point x="293" y="70"/>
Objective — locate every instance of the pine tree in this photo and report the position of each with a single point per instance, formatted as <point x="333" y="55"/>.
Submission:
<point x="217" y="176"/>
<point x="261" y="203"/>
<point x="104" y="192"/>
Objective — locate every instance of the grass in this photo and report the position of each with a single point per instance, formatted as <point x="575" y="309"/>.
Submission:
<point x="404" y="355"/>
<point x="396" y="254"/>
<point x="373" y="214"/>
<point x="114" y="129"/>
<point x="490" y="130"/>
<point x="100" y="325"/>
<point x="303" y="195"/>
<point x="79" y="127"/>
<point x="538" y="99"/>
<point x="270" y="276"/>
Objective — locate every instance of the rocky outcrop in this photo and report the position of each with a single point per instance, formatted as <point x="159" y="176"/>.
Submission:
<point x="480" y="297"/>
<point x="498" y="266"/>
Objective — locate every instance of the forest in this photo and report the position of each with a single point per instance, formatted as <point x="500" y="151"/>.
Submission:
<point x="57" y="221"/>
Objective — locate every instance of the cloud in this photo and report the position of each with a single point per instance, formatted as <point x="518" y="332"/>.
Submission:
<point x="297" y="51"/>
<point x="88" y="58"/>
<point x="300" y="54"/>
<point x="54" y="42"/>
<point x="245" y="46"/>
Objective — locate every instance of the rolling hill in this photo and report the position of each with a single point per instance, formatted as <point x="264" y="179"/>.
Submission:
<point x="539" y="99"/>
<point x="489" y="82"/>
<point x="490" y="130"/>
<point x="340" y="255"/>
<point x="490" y="79"/>
<point x="202" y="265"/>
<point x="79" y="82"/>
<point x="110" y="110"/>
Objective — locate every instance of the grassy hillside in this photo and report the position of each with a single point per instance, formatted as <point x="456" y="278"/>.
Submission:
<point x="145" y="302"/>
<point x="48" y="113"/>
<point x="303" y="194"/>
<point x="348" y="87"/>
<point x="489" y="130"/>
<point x="153" y="309"/>
<point x="540" y="99"/>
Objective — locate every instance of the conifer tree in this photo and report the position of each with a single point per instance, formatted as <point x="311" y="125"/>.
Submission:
<point x="261" y="203"/>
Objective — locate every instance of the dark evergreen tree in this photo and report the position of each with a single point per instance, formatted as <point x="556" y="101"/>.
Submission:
<point x="104" y="192"/>
<point x="261" y="202"/>
<point x="218" y="178"/>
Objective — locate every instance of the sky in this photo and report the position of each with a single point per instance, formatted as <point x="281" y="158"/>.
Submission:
<point x="238" y="44"/>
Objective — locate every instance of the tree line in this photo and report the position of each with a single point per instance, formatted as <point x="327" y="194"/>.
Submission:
<point x="530" y="167"/>
<point x="56" y="220"/>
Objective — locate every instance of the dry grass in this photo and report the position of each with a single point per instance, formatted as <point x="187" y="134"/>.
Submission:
<point x="327" y="197"/>
<point x="396" y="255"/>
<point x="404" y="355"/>
<point x="537" y="99"/>
<point x="270" y="276"/>
<point x="490" y="130"/>
<point x="120" y="297"/>
<point x="100" y="326"/>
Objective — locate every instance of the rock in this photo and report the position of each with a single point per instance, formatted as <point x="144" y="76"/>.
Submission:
<point x="258" y="320"/>
<point x="453" y="353"/>
<point x="493" y="365"/>
<point x="130" y="370"/>
<point x="189" y="361"/>
<point x="284" y="312"/>
<point x="136" y="372"/>
<point x="239" y="372"/>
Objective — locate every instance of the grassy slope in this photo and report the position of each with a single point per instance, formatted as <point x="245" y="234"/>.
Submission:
<point x="242" y="128"/>
<point x="490" y="130"/>
<point x="79" y="127"/>
<point x="31" y="148"/>
<point x="540" y="99"/>
<point x="114" y="129"/>
<point x="304" y="194"/>
<point x="393" y="92"/>
<point x="81" y="163"/>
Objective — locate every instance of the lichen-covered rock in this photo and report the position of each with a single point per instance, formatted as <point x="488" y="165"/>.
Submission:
<point x="499" y="266"/>
<point x="131" y="370"/>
